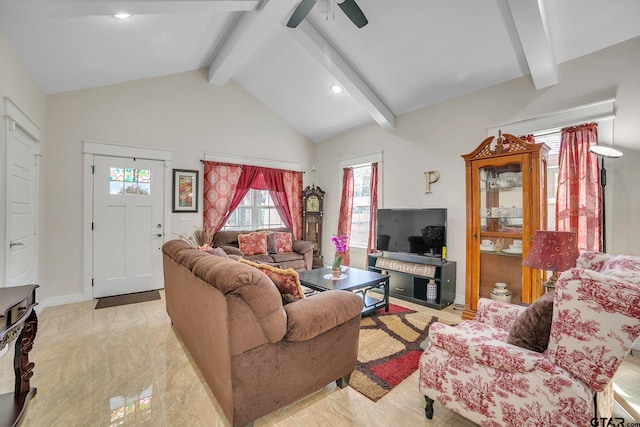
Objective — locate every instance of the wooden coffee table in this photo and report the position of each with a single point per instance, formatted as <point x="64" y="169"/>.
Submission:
<point x="352" y="279"/>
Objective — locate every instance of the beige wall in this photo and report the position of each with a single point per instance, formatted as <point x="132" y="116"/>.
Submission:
<point x="184" y="113"/>
<point x="181" y="112"/>
<point x="17" y="84"/>
<point x="434" y="138"/>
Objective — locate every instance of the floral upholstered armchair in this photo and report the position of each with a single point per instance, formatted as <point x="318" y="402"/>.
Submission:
<point x="474" y="370"/>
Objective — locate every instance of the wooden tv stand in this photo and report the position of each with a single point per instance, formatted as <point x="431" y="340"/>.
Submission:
<point x="409" y="275"/>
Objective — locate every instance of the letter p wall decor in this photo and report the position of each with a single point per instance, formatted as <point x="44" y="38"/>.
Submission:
<point x="431" y="178"/>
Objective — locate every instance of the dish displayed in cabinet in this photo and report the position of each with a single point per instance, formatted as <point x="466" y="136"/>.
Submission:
<point x="512" y="251"/>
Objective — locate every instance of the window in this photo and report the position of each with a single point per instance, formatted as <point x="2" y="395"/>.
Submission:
<point x="129" y="181"/>
<point x="553" y="141"/>
<point x="361" y="206"/>
<point x="256" y="210"/>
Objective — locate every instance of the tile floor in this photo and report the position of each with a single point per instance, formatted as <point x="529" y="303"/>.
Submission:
<point x="124" y="366"/>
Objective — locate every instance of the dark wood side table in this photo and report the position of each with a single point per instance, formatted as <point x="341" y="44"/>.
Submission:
<point x="18" y="319"/>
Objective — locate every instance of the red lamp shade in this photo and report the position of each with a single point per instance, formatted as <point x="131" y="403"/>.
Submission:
<point x="553" y="251"/>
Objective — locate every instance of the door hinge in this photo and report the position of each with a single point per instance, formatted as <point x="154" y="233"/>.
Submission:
<point x="92" y="226"/>
<point x="93" y="169"/>
<point x="92" y="282"/>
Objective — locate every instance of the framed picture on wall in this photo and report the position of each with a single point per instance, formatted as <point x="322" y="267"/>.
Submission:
<point x="185" y="190"/>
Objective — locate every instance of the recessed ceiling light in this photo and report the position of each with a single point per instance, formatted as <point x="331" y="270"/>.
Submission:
<point x="336" y="88"/>
<point x="123" y="15"/>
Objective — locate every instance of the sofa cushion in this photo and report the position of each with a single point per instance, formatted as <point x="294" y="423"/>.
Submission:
<point x="227" y="237"/>
<point x="279" y="242"/>
<point x="286" y="257"/>
<point x="218" y="252"/>
<point x="287" y="281"/>
<point x="532" y="327"/>
<point x="253" y="243"/>
<point x="308" y="318"/>
<point x="232" y="250"/>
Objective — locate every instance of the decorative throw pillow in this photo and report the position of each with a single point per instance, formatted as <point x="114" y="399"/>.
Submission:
<point x="253" y="243"/>
<point x="279" y="242"/>
<point x="532" y="327"/>
<point x="287" y="281"/>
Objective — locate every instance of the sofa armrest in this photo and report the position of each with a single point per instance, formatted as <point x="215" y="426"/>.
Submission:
<point x="483" y="349"/>
<point x="311" y="316"/>
<point x="302" y="246"/>
<point x="306" y="249"/>
<point x="497" y="314"/>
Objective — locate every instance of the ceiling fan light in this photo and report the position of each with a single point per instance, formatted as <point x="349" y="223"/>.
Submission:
<point x="122" y="15"/>
<point x="335" y="88"/>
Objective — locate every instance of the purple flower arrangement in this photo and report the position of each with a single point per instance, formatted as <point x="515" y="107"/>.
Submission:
<point x="341" y="243"/>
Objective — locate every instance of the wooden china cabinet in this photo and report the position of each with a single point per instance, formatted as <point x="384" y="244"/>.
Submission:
<point x="506" y="183"/>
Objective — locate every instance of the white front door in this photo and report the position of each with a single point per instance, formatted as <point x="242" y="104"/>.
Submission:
<point x="128" y="225"/>
<point x="22" y="181"/>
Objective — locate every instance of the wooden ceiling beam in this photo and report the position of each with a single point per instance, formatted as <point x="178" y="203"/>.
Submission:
<point x="329" y="58"/>
<point x="245" y="38"/>
<point x="533" y="31"/>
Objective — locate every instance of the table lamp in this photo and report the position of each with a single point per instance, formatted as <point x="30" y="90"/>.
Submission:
<point x="554" y="251"/>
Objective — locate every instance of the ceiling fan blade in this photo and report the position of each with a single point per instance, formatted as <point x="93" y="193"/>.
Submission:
<point x="300" y="13"/>
<point x="353" y="12"/>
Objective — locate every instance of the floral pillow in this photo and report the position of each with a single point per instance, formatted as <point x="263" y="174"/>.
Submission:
<point x="279" y="242"/>
<point x="253" y="243"/>
<point x="287" y="281"/>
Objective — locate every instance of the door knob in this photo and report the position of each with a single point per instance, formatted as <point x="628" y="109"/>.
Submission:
<point x="12" y="244"/>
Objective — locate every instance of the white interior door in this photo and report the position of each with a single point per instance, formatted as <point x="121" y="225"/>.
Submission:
<point x="128" y="225"/>
<point x="22" y="181"/>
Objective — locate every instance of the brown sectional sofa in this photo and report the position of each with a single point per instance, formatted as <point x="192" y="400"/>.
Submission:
<point x="300" y="259"/>
<point x="255" y="354"/>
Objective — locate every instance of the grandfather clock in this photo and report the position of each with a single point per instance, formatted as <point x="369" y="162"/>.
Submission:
<point x="312" y="201"/>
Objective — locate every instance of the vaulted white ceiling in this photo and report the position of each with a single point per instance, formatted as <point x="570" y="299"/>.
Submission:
<point x="411" y="54"/>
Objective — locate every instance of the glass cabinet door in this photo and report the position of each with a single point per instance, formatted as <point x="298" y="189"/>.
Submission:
<point x="500" y="219"/>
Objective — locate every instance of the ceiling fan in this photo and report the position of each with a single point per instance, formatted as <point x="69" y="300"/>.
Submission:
<point x="349" y="7"/>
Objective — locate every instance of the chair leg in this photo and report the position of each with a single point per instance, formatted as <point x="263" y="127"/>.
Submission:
<point x="344" y="381"/>
<point x="428" y="409"/>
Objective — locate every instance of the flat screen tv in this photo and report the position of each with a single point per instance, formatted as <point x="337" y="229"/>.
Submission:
<point x="415" y="231"/>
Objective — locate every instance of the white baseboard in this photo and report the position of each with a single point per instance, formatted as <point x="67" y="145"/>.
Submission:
<point x="62" y="300"/>
<point x="636" y="346"/>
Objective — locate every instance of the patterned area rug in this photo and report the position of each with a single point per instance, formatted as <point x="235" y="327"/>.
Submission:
<point x="389" y="349"/>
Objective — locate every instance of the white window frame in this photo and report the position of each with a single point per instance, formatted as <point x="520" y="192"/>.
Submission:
<point x="601" y="112"/>
<point x="359" y="161"/>
<point x="255" y="208"/>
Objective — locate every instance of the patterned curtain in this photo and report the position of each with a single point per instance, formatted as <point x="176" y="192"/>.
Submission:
<point x="346" y="209"/>
<point x="220" y="182"/>
<point x="373" y="209"/>
<point x="226" y="185"/>
<point x="578" y="199"/>
<point x="248" y="176"/>
<point x="293" y="188"/>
